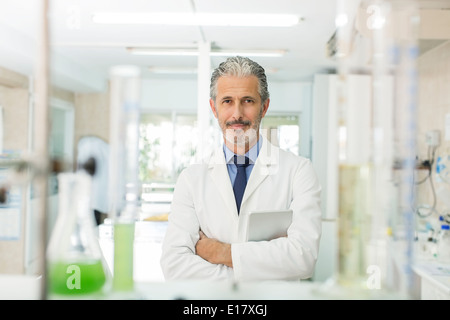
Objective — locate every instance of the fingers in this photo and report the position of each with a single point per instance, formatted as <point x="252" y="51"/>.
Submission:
<point x="202" y="235"/>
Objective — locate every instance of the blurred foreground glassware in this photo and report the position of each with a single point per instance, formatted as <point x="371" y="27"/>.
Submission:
<point x="376" y="93"/>
<point x="124" y="170"/>
<point x="76" y="267"/>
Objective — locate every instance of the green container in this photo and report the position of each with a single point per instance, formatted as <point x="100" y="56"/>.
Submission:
<point x="76" y="278"/>
<point x="123" y="256"/>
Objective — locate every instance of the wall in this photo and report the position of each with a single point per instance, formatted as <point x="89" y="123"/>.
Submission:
<point x="181" y="95"/>
<point x="14" y="101"/>
<point x="91" y="115"/>
<point x="166" y="95"/>
<point x="433" y="106"/>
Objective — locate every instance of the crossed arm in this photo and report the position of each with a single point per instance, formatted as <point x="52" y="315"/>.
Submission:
<point x="213" y="250"/>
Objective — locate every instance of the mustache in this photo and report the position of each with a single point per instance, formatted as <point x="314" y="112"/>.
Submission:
<point x="241" y="122"/>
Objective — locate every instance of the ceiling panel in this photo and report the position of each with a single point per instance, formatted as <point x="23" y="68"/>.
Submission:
<point x="90" y="46"/>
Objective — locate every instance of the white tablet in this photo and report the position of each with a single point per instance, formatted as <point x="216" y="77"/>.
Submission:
<point x="267" y="225"/>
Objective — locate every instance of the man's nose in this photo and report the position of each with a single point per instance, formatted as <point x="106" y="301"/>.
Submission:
<point x="238" y="110"/>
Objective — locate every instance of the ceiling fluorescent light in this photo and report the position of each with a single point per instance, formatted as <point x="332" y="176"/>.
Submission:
<point x="213" y="53"/>
<point x="198" y="19"/>
<point x="255" y="53"/>
<point x="162" y="52"/>
<point x="172" y="70"/>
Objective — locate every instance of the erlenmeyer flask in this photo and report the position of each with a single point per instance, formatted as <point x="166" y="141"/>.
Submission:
<point x="76" y="267"/>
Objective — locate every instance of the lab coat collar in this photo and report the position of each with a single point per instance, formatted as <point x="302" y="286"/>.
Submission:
<point x="218" y="171"/>
<point x="252" y="154"/>
<point x="268" y="155"/>
<point x="265" y="165"/>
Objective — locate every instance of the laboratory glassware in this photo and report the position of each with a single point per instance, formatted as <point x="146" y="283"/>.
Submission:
<point x="443" y="244"/>
<point x="375" y="138"/>
<point x="75" y="263"/>
<point x="124" y="172"/>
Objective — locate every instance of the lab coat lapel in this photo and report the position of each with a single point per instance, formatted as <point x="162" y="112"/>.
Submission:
<point x="219" y="174"/>
<point x="266" y="164"/>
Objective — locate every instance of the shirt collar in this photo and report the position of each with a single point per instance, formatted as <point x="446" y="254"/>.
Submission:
<point x="252" y="154"/>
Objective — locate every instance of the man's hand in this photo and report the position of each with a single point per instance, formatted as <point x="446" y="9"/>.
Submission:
<point x="213" y="250"/>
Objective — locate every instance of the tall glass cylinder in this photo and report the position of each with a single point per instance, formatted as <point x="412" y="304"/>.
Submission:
<point x="376" y="95"/>
<point x="124" y="189"/>
<point x="355" y="182"/>
<point x="355" y="152"/>
<point x="376" y="22"/>
<point x="405" y="22"/>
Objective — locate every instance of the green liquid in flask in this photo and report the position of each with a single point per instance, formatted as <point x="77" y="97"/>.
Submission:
<point x="123" y="256"/>
<point x="76" y="278"/>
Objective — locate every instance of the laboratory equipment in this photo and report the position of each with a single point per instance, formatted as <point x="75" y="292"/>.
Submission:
<point x="433" y="138"/>
<point x="443" y="244"/>
<point x="443" y="185"/>
<point x="356" y="168"/>
<point x="397" y="43"/>
<point x="375" y="43"/>
<point x="76" y="267"/>
<point x="123" y="170"/>
<point x="425" y="244"/>
<point x="442" y="168"/>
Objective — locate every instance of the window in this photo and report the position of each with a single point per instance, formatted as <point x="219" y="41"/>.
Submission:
<point x="168" y="142"/>
<point x="167" y="145"/>
<point x="283" y="131"/>
<point x="61" y="130"/>
<point x="61" y="136"/>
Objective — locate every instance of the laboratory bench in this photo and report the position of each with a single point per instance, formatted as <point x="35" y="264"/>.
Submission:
<point x="149" y="235"/>
<point x="432" y="278"/>
<point x="434" y="284"/>
<point x="24" y="287"/>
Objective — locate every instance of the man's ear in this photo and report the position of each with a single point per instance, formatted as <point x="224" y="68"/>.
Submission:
<point x="265" y="107"/>
<point x="213" y="107"/>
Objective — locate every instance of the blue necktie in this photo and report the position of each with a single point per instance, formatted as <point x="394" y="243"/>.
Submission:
<point x="241" y="179"/>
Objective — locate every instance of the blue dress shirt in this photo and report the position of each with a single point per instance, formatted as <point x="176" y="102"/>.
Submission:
<point x="252" y="154"/>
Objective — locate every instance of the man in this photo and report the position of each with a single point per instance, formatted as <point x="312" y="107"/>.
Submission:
<point x="205" y="238"/>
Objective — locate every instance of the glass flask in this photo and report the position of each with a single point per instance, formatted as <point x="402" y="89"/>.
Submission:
<point x="75" y="264"/>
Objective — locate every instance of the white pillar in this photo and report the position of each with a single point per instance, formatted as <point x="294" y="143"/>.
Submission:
<point x="41" y="135"/>
<point x="203" y="109"/>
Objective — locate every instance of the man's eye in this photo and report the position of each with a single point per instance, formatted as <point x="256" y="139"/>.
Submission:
<point x="248" y="101"/>
<point x="227" y="101"/>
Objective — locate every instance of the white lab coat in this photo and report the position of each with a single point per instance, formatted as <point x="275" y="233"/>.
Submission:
<point x="91" y="146"/>
<point x="204" y="200"/>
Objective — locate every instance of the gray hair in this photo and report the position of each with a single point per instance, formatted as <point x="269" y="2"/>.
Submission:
<point x="240" y="67"/>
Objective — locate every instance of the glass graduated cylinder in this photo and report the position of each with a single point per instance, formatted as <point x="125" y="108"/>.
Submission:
<point x="124" y="169"/>
<point x="123" y="256"/>
<point x="354" y="223"/>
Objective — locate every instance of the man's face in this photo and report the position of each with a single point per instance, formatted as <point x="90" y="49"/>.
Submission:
<point x="238" y="110"/>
